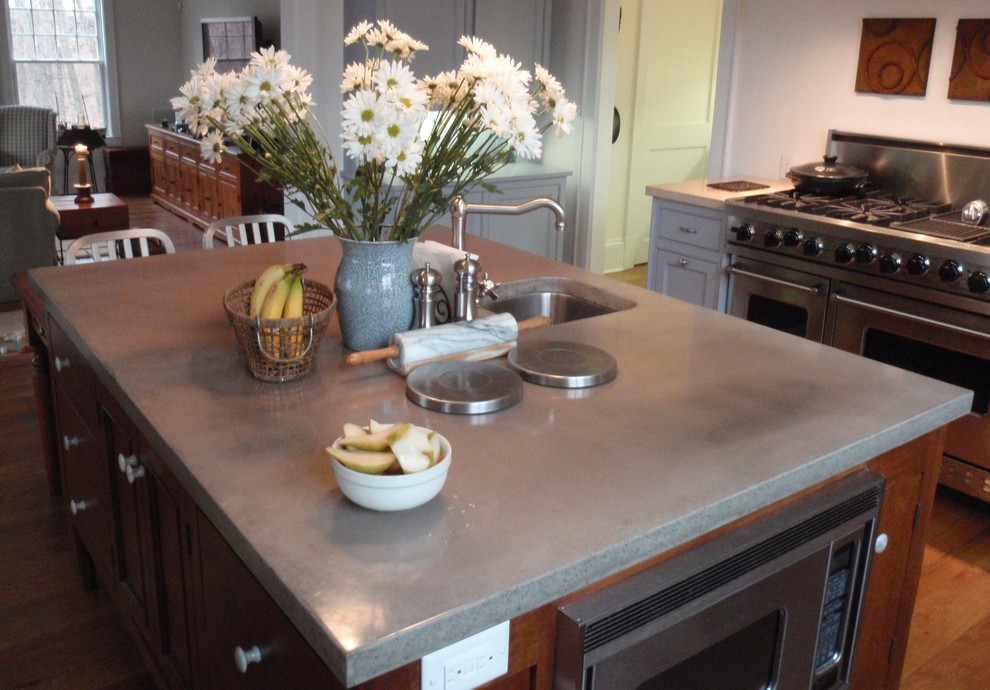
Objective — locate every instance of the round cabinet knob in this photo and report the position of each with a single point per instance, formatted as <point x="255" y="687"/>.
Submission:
<point x="683" y="263"/>
<point x="743" y="232"/>
<point x="978" y="282"/>
<point x="813" y="246"/>
<point x="844" y="253"/>
<point x="133" y="473"/>
<point x="793" y="237"/>
<point x="61" y="364"/>
<point x="950" y="271"/>
<point x="918" y="265"/>
<point x="244" y="658"/>
<point x="125" y="461"/>
<point x="880" y="545"/>
<point x="890" y="263"/>
<point x="70" y="442"/>
<point x="78" y="506"/>
<point x="773" y="238"/>
<point x="866" y="254"/>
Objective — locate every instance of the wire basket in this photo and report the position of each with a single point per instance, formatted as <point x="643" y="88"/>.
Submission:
<point x="280" y="349"/>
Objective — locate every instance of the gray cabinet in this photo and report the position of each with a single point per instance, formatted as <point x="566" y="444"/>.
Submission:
<point x="686" y="253"/>
<point x="520" y="28"/>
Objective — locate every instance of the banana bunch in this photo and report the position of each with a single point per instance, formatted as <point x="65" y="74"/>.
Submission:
<point x="278" y="292"/>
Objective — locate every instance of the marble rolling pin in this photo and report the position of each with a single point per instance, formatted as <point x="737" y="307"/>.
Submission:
<point x="482" y="338"/>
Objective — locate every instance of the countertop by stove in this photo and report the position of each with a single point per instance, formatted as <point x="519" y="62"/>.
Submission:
<point x="709" y="419"/>
<point x="698" y="193"/>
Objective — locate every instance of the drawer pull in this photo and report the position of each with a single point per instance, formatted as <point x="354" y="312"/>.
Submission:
<point x="79" y="506"/>
<point x="70" y="441"/>
<point x="686" y="229"/>
<point x="134" y="472"/>
<point x="243" y="658"/>
<point x="62" y="363"/>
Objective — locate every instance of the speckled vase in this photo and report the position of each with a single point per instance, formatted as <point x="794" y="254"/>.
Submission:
<point x="374" y="293"/>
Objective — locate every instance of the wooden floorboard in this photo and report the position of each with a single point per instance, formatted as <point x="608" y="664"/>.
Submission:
<point x="55" y="634"/>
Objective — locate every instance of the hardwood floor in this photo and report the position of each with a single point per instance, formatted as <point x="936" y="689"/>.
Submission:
<point x="55" y="634"/>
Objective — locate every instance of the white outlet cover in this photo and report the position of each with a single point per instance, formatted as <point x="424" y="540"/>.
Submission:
<point x="468" y="663"/>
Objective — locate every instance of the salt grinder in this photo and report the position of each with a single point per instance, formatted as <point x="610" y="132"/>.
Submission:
<point x="426" y="285"/>
<point x="468" y="273"/>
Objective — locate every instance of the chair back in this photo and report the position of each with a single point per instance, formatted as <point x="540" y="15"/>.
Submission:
<point x="28" y="136"/>
<point x="117" y="244"/>
<point x="256" y="229"/>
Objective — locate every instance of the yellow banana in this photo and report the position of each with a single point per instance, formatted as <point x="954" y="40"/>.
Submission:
<point x="294" y="302"/>
<point x="274" y="302"/>
<point x="263" y="284"/>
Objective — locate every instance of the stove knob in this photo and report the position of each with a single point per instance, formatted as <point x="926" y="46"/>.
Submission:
<point x="890" y="263"/>
<point x="793" y="238"/>
<point x="744" y="232"/>
<point x="773" y="238"/>
<point x="918" y="265"/>
<point x="813" y="246"/>
<point x="950" y="271"/>
<point x="978" y="282"/>
<point x="866" y="254"/>
<point x="844" y="253"/>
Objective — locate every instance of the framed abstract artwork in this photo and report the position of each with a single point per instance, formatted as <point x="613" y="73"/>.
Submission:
<point x="894" y="56"/>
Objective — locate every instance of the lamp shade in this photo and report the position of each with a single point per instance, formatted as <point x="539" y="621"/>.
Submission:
<point x="81" y="134"/>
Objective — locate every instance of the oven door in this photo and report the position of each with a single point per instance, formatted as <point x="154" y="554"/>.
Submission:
<point x="781" y="298"/>
<point x="928" y="339"/>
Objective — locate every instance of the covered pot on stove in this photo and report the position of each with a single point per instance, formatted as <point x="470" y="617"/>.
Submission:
<point x="827" y="177"/>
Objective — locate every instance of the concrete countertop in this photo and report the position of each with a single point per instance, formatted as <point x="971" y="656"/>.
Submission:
<point x="710" y="418"/>
<point x="698" y="193"/>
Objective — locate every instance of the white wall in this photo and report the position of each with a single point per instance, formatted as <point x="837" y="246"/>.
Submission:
<point x="794" y="76"/>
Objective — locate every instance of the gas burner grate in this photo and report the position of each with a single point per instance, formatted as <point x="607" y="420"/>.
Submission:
<point x="948" y="226"/>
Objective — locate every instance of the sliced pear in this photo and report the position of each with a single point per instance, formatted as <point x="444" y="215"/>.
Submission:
<point x="367" y="441"/>
<point x="435" y="448"/>
<point x="411" y="447"/>
<point x="351" y="429"/>
<point x="374" y="426"/>
<point x="369" y="462"/>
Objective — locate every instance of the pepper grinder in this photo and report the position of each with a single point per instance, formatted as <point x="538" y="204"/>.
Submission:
<point x="426" y="285"/>
<point x="472" y="285"/>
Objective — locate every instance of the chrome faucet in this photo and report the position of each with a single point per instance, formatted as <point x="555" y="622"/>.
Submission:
<point x="461" y="208"/>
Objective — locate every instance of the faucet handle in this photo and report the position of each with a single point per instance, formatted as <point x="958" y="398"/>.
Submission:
<point x="487" y="287"/>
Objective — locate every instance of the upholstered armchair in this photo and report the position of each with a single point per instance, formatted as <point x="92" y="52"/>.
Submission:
<point x="27" y="136"/>
<point x="28" y="224"/>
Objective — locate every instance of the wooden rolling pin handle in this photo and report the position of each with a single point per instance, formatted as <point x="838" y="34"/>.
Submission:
<point x="535" y="322"/>
<point x="365" y="356"/>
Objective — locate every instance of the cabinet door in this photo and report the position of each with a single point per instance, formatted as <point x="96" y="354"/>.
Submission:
<point x="685" y="277"/>
<point x="86" y="485"/>
<point x="153" y="534"/>
<point x="240" y="620"/>
<point x="519" y="28"/>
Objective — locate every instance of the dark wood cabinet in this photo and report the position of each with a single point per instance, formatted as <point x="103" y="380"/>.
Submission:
<point x="200" y="191"/>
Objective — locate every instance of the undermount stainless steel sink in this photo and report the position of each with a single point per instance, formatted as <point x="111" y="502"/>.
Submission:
<point x="559" y="299"/>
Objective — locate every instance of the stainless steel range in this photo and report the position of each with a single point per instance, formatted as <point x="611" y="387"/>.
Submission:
<point x="896" y="268"/>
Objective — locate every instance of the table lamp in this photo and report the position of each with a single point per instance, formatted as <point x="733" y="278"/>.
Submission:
<point x="83" y="140"/>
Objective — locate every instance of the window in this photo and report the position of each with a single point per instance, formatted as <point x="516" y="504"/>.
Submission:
<point x="59" y="52"/>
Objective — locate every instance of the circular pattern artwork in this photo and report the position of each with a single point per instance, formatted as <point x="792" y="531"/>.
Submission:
<point x="894" y="56"/>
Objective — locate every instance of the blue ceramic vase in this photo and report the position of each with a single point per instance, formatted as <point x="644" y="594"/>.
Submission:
<point x="374" y="293"/>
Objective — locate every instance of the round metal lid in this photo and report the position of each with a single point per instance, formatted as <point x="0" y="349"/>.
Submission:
<point x="563" y="364"/>
<point x="464" y="387"/>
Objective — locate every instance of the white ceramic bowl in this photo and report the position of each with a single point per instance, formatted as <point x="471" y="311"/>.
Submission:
<point x="393" y="491"/>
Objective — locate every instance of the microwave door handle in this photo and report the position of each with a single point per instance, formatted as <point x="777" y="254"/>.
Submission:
<point x="813" y="289"/>
<point x="910" y="317"/>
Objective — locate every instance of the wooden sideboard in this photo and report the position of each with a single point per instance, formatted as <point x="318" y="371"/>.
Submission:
<point x="202" y="192"/>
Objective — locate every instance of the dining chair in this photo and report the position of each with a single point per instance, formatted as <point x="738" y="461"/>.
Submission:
<point x="118" y="244"/>
<point x="254" y="229"/>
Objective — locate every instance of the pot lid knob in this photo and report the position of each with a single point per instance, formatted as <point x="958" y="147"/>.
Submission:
<point x="974" y="212"/>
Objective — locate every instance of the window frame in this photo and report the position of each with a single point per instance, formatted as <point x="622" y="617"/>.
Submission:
<point x="8" y="73"/>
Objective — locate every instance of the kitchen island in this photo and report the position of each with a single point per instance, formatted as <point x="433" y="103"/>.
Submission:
<point x="710" y="419"/>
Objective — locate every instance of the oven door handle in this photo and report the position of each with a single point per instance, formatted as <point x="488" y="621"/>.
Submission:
<point x="910" y="317"/>
<point x="813" y="289"/>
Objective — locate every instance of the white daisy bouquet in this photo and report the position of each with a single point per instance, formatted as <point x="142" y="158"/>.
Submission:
<point x="416" y="143"/>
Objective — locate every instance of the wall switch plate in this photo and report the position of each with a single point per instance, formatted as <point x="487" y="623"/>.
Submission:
<point x="468" y="663"/>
